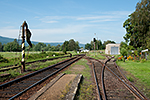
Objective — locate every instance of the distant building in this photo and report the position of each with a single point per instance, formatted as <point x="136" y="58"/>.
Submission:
<point x="112" y="49"/>
<point x="83" y="50"/>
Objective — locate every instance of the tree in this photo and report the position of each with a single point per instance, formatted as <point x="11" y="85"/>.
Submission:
<point x="129" y="29"/>
<point x="107" y="42"/>
<point x="12" y="46"/>
<point x="92" y="45"/>
<point x="88" y="46"/>
<point x="77" y="45"/>
<point x="72" y="45"/>
<point x="124" y="45"/>
<point x="1" y="46"/>
<point x="64" y="47"/>
<point x="52" y="48"/>
<point x="57" y="48"/>
<point x="137" y="26"/>
<point x="69" y="46"/>
<point x="39" y="47"/>
<point x="99" y="44"/>
<point x="123" y="52"/>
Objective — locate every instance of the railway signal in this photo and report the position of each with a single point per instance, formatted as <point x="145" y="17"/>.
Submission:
<point x="28" y="35"/>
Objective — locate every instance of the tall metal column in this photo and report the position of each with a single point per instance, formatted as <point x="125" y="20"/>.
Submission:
<point x="23" y="46"/>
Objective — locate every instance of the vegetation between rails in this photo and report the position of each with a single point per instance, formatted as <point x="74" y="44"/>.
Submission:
<point x="86" y="87"/>
<point x="96" y="54"/>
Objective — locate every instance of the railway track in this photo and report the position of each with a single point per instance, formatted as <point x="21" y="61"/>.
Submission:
<point x="112" y="84"/>
<point x="6" y="68"/>
<point x="17" y="87"/>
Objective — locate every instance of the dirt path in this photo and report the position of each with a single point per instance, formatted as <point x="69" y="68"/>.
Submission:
<point x="58" y="89"/>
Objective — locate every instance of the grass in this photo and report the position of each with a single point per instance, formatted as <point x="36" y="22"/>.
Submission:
<point x="12" y="59"/>
<point x="29" y="68"/>
<point x="9" y="55"/>
<point x="84" y="72"/>
<point x="141" y="71"/>
<point x="95" y="54"/>
<point x="86" y="88"/>
<point x="41" y="65"/>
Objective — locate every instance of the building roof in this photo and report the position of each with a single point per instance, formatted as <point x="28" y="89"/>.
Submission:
<point x="111" y="44"/>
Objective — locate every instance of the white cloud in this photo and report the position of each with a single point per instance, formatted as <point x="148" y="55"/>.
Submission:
<point x="96" y="17"/>
<point x="12" y="33"/>
<point x="48" y="35"/>
<point x="80" y="28"/>
<point x="50" y="21"/>
<point x="103" y="20"/>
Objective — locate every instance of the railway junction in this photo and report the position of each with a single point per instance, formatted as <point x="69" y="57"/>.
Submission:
<point x="66" y="80"/>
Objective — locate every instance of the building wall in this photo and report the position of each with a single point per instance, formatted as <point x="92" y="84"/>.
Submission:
<point x="112" y="49"/>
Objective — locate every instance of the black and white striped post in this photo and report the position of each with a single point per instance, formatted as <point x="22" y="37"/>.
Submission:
<point x="23" y="46"/>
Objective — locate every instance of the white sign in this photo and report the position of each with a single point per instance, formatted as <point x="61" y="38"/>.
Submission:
<point x="144" y="50"/>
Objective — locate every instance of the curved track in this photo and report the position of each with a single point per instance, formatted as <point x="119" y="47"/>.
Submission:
<point x="17" y="87"/>
<point x="114" y="85"/>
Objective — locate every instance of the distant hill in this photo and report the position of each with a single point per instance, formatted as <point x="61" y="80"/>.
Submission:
<point x="7" y="40"/>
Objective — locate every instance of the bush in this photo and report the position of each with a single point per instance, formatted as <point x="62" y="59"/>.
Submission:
<point x="2" y="59"/>
<point x="123" y="52"/>
<point x="129" y="58"/>
<point x="43" y="55"/>
<point x="120" y="58"/>
<point x="143" y="60"/>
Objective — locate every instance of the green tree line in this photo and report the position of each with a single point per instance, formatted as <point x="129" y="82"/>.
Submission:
<point x="70" y="45"/>
<point x="11" y="46"/>
<point x="98" y="45"/>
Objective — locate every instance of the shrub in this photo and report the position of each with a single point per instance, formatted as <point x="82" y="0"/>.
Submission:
<point x="143" y="60"/>
<point x="2" y="59"/>
<point x="123" y="52"/>
<point x="129" y="58"/>
<point x="120" y="58"/>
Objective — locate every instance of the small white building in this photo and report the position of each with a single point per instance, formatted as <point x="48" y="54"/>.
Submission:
<point x="112" y="49"/>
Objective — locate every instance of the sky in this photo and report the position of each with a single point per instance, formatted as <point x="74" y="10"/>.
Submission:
<point x="62" y="20"/>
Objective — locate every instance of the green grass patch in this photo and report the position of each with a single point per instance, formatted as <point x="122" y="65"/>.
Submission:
<point x="41" y="65"/>
<point x="10" y="55"/>
<point x="32" y="67"/>
<point x="33" y="56"/>
<point x="96" y="55"/>
<point x="86" y="87"/>
<point x="140" y="70"/>
<point x="85" y="71"/>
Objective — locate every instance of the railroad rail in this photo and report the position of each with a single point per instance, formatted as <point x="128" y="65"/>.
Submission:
<point x="17" y="87"/>
<point x="111" y="67"/>
<point x="6" y="68"/>
<point x="140" y="94"/>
